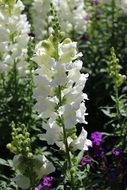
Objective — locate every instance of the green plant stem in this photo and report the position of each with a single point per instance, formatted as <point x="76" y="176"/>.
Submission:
<point x="66" y="145"/>
<point x="113" y="22"/>
<point x="64" y="129"/>
<point x="3" y="80"/>
<point x="117" y="102"/>
<point x="15" y="89"/>
<point x="68" y="158"/>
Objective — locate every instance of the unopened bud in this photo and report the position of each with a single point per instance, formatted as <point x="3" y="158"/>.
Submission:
<point x="30" y="155"/>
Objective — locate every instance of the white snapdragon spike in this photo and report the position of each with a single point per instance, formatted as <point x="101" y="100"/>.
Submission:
<point x="71" y="14"/>
<point x="40" y="165"/>
<point x="59" y="92"/>
<point x="123" y="4"/>
<point x="14" y="29"/>
<point x="39" y="14"/>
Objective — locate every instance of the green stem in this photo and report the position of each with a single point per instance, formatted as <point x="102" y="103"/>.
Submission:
<point x="15" y="89"/>
<point x="66" y="145"/>
<point x="113" y="22"/>
<point x="68" y="158"/>
<point x="117" y="102"/>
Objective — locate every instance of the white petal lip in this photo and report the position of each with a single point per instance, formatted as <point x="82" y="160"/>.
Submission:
<point x="46" y="168"/>
<point x="82" y="143"/>
<point x="22" y="181"/>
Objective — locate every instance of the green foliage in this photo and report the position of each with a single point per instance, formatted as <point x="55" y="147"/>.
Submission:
<point x="105" y="58"/>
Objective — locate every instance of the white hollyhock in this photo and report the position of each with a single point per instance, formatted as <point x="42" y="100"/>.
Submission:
<point x="59" y="90"/>
<point x="71" y="14"/>
<point x="14" y="29"/>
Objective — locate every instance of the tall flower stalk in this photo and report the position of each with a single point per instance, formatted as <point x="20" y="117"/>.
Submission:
<point x="14" y="28"/>
<point x="71" y="13"/>
<point x="118" y="116"/>
<point x="29" y="167"/>
<point x="59" y="86"/>
<point x="114" y="72"/>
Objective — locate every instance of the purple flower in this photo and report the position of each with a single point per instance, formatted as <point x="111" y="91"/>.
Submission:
<point x="86" y="160"/>
<point x="47" y="183"/>
<point x="117" y="152"/>
<point x="40" y="186"/>
<point x="96" y="138"/>
<point x="95" y="1"/>
<point x="98" y="153"/>
<point x="85" y="37"/>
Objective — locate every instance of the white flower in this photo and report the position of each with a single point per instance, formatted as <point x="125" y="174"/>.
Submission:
<point x="14" y="28"/>
<point x="123" y="4"/>
<point x="80" y="114"/>
<point x="81" y="143"/>
<point x="53" y="132"/>
<point x="59" y="86"/>
<point x="71" y="14"/>
<point x="42" y="166"/>
<point x="59" y="77"/>
<point x="45" y="106"/>
<point x="39" y="14"/>
<point x="43" y="85"/>
<point x="22" y="181"/>
<point x="67" y="51"/>
<point x="69" y="115"/>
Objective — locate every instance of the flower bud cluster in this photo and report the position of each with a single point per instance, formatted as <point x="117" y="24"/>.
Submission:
<point x="114" y="70"/>
<point x="71" y="14"/>
<point x="29" y="166"/>
<point x="14" y="29"/>
<point x="59" y="86"/>
<point x="21" y="143"/>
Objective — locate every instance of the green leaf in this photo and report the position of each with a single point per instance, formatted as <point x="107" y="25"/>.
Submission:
<point x="3" y="162"/>
<point x="79" y="156"/>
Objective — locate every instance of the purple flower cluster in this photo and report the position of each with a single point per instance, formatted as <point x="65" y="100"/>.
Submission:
<point x="95" y="2"/>
<point x="98" y="152"/>
<point x="117" y="152"/>
<point x="86" y="160"/>
<point x="46" y="183"/>
<point x="96" y="138"/>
